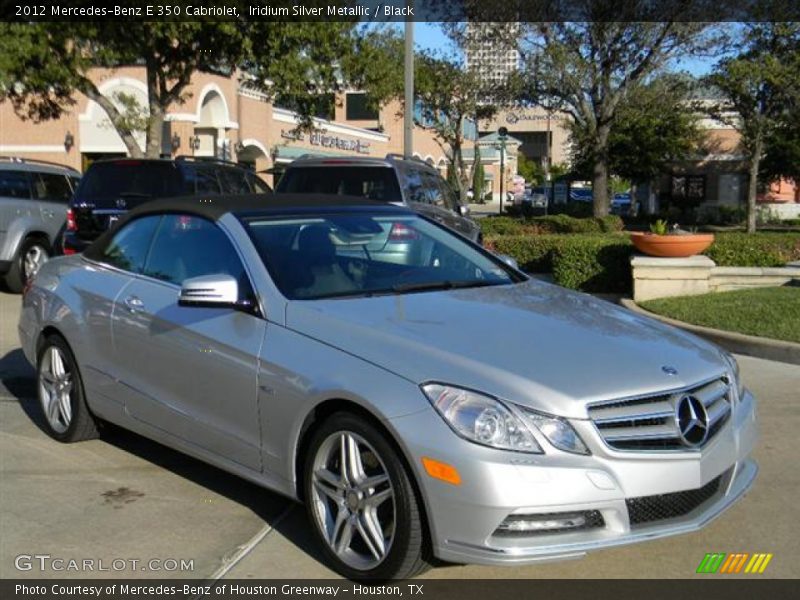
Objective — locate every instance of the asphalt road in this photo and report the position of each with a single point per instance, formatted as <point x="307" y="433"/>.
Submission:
<point x="126" y="498"/>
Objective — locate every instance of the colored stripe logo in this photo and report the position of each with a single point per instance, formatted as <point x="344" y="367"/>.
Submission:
<point x="737" y="562"/>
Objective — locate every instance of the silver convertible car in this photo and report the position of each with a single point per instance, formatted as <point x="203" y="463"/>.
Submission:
<point x="445" y="407"/>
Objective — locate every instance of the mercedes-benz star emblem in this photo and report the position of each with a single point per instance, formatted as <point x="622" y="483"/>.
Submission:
<point x="669" y="370"/>
<point x="692" y="420"/>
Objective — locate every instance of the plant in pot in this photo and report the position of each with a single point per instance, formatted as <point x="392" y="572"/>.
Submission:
<point x="668" y="242"/>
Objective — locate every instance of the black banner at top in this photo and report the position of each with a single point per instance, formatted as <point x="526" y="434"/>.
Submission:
<point x="401" y="10"/>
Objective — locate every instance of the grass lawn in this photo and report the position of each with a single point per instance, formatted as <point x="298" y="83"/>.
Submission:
<point x="766" y="312"/>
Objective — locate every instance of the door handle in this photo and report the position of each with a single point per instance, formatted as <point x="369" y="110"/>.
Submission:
<point x="134" y="304"/>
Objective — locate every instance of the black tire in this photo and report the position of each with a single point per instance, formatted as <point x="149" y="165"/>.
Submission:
<point x="16" y="278"/>
<point x="408" y="553"/>
<point x="82" y="424"/>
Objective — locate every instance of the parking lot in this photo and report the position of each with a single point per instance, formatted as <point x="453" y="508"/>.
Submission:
<point x="124" y="498"/>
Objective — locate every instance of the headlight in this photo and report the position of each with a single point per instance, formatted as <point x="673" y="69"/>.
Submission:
<point x="736" y="380"/>
<point x="557" y="431"/>
<point x="487" y="421"/>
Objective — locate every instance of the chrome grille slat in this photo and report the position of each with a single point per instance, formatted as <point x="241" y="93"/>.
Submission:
<point x="649" y="423"/>
<point x="638" y="433"/>
<point x="617" y="414"/>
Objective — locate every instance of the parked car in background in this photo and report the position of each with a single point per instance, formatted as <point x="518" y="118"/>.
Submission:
<point x="431" y="408"/>
<point x="621" y="203"/>
<point x="110" y="188"/>
<point x="393" y="179"/>
<point x="33" y="209"/>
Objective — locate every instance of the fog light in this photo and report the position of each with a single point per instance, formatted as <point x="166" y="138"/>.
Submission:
<point x="550" y="523"/>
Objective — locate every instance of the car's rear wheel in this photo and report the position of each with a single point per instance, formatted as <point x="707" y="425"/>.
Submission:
<point x="60" y="389"/>
<point x="361" y="502"/>
<point x="33" y="253"/>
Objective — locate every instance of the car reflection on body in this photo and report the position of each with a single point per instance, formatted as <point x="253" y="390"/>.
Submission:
<point x="449" y="406"/>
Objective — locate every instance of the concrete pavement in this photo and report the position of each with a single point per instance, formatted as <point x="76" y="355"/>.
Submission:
<point x="126" y="498"/>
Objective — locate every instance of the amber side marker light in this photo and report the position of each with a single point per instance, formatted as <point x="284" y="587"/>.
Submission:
<point x="441" y="471"/>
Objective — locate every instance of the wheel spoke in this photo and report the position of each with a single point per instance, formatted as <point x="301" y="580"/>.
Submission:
<point x="65" y="408"/>
<point x="375" y="500"/>
<point x="370" y="483"/>
<point x="355" y="469"/>
<point x="48" y="378"/>
<point x="332" y="492"/>
<point x="345" y="536"/>
<point x="56" y="364"/>
<point x="53" y="409"/>
<point x="371" y="533"/>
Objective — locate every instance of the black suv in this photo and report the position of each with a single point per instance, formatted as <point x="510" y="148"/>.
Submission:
<point x="110" y="188"/>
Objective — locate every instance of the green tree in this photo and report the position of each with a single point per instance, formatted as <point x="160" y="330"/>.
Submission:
<point x="44" y="65"/>
<point x="782" y="151"/>
<point x="449" y="96"/>
<point x="655" y="124"/>
<point x="587" y="68"/>
<point x="761" y="86"/>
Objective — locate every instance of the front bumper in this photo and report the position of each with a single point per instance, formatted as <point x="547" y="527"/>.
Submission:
<point x="464" y="519"/>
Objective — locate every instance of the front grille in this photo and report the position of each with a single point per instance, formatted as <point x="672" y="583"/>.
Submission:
<point x="646" y="509"/>
<point x="651" y="423"/>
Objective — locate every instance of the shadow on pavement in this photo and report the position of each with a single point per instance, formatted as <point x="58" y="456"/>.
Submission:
<point x="18" y="378"/>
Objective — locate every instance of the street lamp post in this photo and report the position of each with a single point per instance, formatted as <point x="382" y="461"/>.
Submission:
<point x="502" y="135"/>
<point x="408" y="117"/>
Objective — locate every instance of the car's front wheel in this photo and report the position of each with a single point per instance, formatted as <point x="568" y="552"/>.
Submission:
<point x="361" y="502"/>
<point x="60" y="389"/>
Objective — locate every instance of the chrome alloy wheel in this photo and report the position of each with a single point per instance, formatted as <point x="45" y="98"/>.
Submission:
<point x="353" y="500"/>
<point x="33" y="260"/>
<point x="55" y="389"/>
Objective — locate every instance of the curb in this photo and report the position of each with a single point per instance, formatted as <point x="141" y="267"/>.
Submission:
<point x="750" y="345"/>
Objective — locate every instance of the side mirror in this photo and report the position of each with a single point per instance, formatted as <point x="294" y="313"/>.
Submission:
<point x="509" y="260"/>
<point x="462" y="210"/>
<point x="212" y="291"/>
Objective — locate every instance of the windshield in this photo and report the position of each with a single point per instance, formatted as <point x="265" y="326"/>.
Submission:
<point x="345" y="255"/>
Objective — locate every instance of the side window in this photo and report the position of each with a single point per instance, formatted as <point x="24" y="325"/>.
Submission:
<point x="450" y="195"/>
<point x="415" y="188"/>
<point x="14" y="184"/>
<point x="188" y="246"/>
<point x="234" y="181"/>
<point x="258" y="185"/>
<point x="128" y="249"/>
<point x="51" y="186"/>
<point x="202" y="180"/>
<point x="433" y="190"/>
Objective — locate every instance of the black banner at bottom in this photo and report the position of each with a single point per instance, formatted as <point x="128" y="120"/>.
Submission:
<point x="731" y="588"/>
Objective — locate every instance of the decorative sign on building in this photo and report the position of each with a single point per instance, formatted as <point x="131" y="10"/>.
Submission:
<point x="319" y="138"/>
<point x="292" y="135"/>
<point x="514" y="118"/>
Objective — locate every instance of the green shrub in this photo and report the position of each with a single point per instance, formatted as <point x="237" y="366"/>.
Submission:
<point x="593" y="264"/>
<point x="550" y="224"/>
<point x="754" y="250"/>
<point x="534" y="253"/>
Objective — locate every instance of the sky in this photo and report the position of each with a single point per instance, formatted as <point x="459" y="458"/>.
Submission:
<point x="429" y="36"/>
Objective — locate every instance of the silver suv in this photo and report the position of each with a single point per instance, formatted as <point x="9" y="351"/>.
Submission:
<point x="394" y="179"/>
<point x="33" y="210"/>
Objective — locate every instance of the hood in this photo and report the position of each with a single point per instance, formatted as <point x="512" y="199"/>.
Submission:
<point x="531" y="343"/>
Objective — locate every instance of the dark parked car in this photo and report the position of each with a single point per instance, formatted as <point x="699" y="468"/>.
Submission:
<point x="409" y="182"/>
<point x="112" y="187"/>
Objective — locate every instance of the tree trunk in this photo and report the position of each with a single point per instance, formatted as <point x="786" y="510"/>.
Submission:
<point x="600" y="186"/>
<point x="155" y="131"/>
<point x="600" y="173"/>
<point x="752" y="186"/>
<point x="91" y="92"/>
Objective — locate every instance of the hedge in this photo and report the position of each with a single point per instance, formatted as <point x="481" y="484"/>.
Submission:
<point x="734" y="249"/>
<point x="550" y="224"/>
<point x="601" y="262"/>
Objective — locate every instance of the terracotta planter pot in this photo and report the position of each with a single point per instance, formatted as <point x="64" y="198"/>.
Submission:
<point x="671" y="246"/>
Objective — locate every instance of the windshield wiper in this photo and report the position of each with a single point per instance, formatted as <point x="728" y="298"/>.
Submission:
<point x="438" y="285"/>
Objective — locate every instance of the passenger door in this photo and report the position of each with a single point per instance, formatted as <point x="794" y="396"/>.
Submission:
<point x="53" y="192"/>
<point x="191" y="371"/>
<point x="15" y="194"/>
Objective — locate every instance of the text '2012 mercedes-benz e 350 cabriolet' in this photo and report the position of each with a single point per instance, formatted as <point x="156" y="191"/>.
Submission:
<point x="444" y="405"/>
